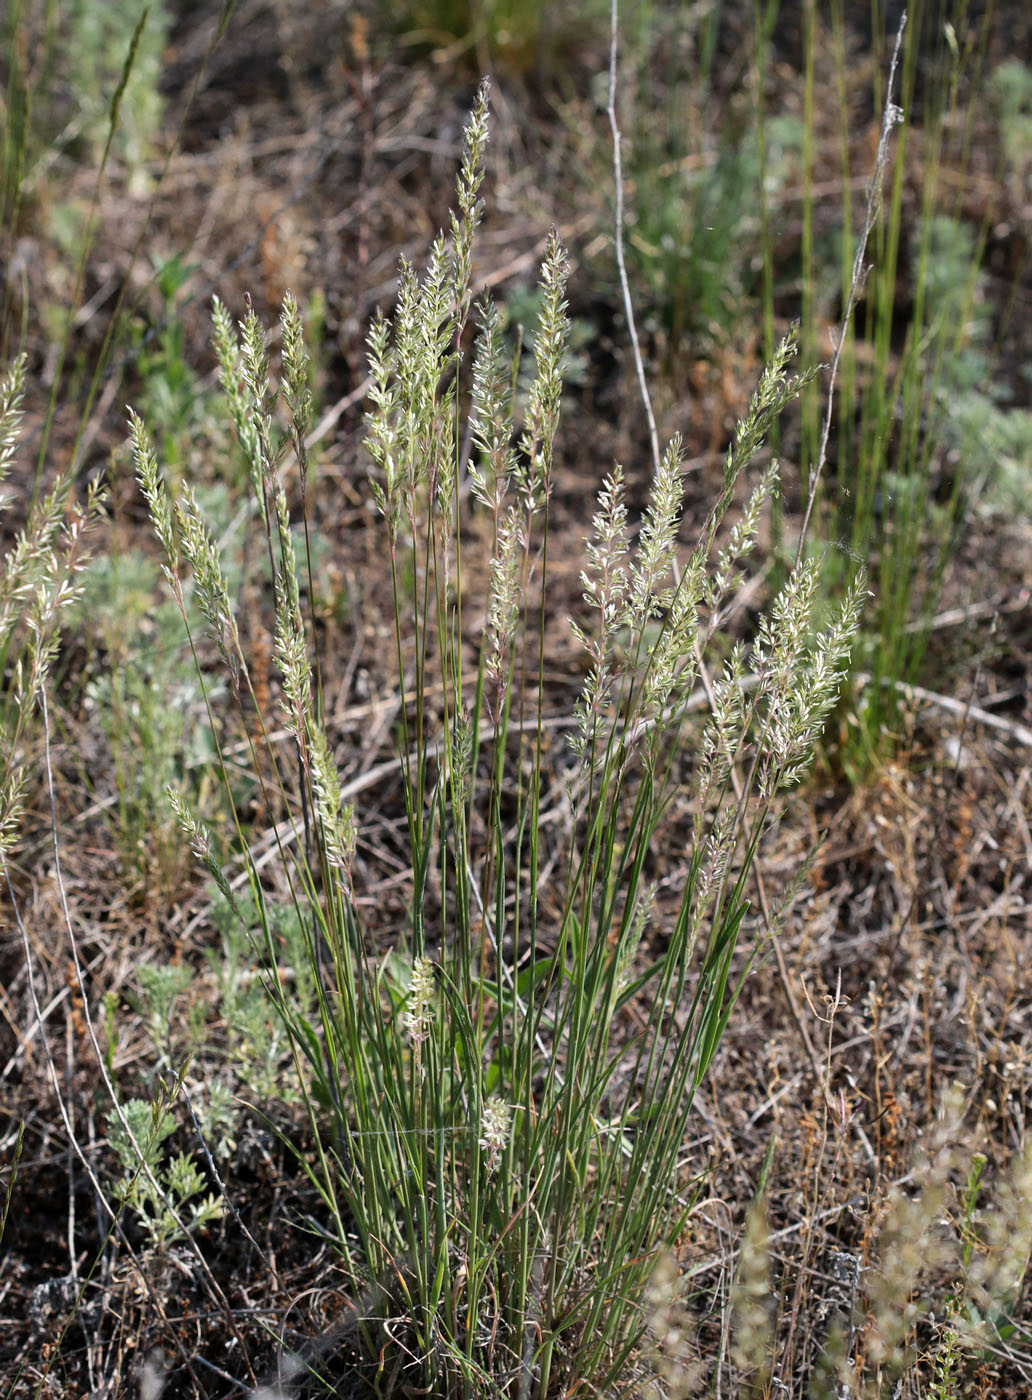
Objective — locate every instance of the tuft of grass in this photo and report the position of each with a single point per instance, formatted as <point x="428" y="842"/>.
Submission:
<point x="903" y="488"/>
<point x="498" y="1148"/>
<point x="746" y="208"/>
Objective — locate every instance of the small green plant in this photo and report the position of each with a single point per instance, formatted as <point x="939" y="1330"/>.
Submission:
<point x="166" y="1196"/>
<point x="994" y="1256"/>
<point x="258" y="1045"/>
<point x="947" y="1356"/>
<point x="697" y="239"/>
<point x="498" y="1156"/>
<point x="1011" y="87"/>
<point x="170" y="397"/>
<point x="696" y="246"/>
<point x="162" y="986"/>
<point x="79" y="79"/>
<point x="95" y="46"/>
<point x="970" y="407"/>
<point x="145" y="698"/>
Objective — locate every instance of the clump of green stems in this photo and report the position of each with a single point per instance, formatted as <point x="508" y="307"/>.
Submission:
<point x="724" y="232"/>
<point x="499" y="1148"/>
<point x="894" y="500"/>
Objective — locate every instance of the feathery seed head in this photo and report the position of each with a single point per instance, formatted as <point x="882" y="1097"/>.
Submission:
<point x="462" y="756"/>
<point x="296" y="367"/>
<point x="655" y="554"/>
<point x="336" y="816"/>
<point x="156" y="496"/>
<point x="503" y="607"/>
<point x="12" y="388"/>
<point x="726" y="577"/>
<point x="418" y="1015"/>
<point x="201" y="842"/>
<point x="491" y="412"/>
<point x="802" y="677"/>
<point x="605" y="578"/>
<point x="495" y="1129"/>
<point x="471" y="175"/>
<point x="549" y="347"/>
<point x="255" y="356"/>
<point x="227" y="350"/>
<point x="291" y="643"/>
<point x="258" y="402"/>
<point x="209" y="582"/>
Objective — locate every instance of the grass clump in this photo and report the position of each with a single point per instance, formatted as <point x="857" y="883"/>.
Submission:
<point x="498" y="1146"/>
<point x="916" y="366"/>
<point x="746" y="210"/>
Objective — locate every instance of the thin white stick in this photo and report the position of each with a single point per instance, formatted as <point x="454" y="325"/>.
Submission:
<point x="618" y="239"/>
<point x="890" y="117"/>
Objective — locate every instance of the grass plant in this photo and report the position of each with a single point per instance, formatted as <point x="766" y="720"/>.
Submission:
<point x="920" y="414"/>
<point x="498" y="1150"/>
<point x="901" y="492"/>
<point x="497" y="1094"/>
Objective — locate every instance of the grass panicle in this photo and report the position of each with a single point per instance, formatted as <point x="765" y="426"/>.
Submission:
<point x="41" y="580"/>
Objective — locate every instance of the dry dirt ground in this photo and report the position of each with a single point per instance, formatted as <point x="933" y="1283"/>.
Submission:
<point x="310" y="152"/>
